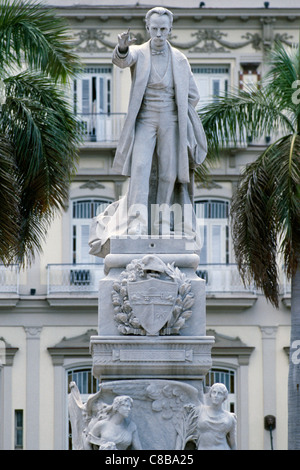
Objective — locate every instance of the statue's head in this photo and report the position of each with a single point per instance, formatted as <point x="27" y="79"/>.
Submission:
<point x="122" y="404"/>
<point x="218" y="392"/>
<point x="159" y="23"/>
<point x="160" y="11"/>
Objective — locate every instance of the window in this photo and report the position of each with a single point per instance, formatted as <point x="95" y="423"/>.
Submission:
<point x="82" y="212"/>
<point x="85" y="381"/>
<point x="212" y="215"/>
<point x="249" y="75"/>
<point x="87" y="385"/>
<point x="228" y="378"/>
<point x="92" y="100"/>
<point x="211" y="81"/>
<point x="18" y="429"/>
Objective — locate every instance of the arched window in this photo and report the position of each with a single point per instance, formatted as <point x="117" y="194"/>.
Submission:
<point x="83" y="210"/>
<point x="85" y="381"/>
<point x="212" y="215"/>
<point x="228" y="378"/>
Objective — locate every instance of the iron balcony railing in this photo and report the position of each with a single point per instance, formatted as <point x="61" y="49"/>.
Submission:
<point x="74" y="278"/>
<point x="9" y="279"/>
<point x="104" y="127"/>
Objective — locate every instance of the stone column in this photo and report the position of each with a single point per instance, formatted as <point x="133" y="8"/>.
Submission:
<point x="243" y="403"/>
<point x="60" y="412"/>
<point x="6" y="408"/>
<point x="7" y="354"/>
<point x="32" y="387"/>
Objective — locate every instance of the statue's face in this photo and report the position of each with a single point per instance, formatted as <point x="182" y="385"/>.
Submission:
<point x="159" y="28"/>
<point x="216" y="395"/>
<point x="124" y="408"/>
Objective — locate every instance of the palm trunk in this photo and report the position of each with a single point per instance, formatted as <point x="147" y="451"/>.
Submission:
<point x="294" y="368"/>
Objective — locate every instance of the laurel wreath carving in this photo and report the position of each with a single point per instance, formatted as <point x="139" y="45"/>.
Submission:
<point x="126" y="320"/>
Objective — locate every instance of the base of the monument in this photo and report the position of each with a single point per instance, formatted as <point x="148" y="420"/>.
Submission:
<point x="158" y="357"/>
<point x="151" y="343"/>
<point x="158" y="409"/>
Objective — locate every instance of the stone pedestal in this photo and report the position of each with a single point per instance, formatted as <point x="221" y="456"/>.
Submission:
<point x="152" y="332"/>
<point x="180" y="353"/>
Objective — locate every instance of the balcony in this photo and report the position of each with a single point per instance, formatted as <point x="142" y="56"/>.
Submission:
<point x="9" y="279"/>
<point x="225" y="289"/>
<point x="68" y="278"/>
<point x="74" y="278"/>
<point x="66" y="281"/>
<point x="101" y="127"/>
<point x="222" y="278"/>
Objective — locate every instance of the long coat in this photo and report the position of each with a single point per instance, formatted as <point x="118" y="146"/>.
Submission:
<point x="192" y="140"/>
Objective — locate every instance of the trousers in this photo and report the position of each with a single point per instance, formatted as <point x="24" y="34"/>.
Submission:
<point x="156" y="130"/>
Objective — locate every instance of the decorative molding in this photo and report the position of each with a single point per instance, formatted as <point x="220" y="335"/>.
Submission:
<point x="7" y="353"/>
<point x="76" y="346"/>
<point x="33" y="332"/>
<point x="145" y="356"/>
<point x="284" y="38"/>
<point x="92" y="184"/>
<point x="268" y="31"/>
<point x="95" y="40"/>
<point x="206" y="40"/>
<point x="208" y="37"/>
<point x="89" y="39"/>
<point x="227" y="346"/>
<point x="268" y="332"/>
<point x="210" y="184"/>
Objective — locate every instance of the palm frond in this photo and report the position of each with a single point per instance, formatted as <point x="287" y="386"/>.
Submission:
<point x="284" y="163"/>
<point x="265" y="215"/>
<point x="44" y="133"/>
<point x="240" y="114"/>
<point x="32" y="33"/>
<point x="283" y="74"/>
<point x="9" y="207"/>
<point x="36" y="113"/>
<point x="254" y="231"/>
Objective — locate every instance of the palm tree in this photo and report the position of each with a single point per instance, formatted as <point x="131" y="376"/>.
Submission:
<point x="38" y="133"/>
<point x="265" y="211"/>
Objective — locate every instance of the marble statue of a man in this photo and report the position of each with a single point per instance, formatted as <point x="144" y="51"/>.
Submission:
<point x="161" y="115"/>
<point x="162" y="140"/>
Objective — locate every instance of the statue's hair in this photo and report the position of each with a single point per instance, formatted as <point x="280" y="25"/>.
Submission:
<point x="159" y="11"/>
<point x="108" y="410"/>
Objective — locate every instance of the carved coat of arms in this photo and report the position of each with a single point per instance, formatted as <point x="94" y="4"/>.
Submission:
<point x="151" y="298"/>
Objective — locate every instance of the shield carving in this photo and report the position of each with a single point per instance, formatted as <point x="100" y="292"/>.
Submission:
<point x="152" y="302"/>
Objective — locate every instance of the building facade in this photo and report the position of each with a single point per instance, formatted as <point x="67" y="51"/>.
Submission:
<point x="49" y="311"/>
